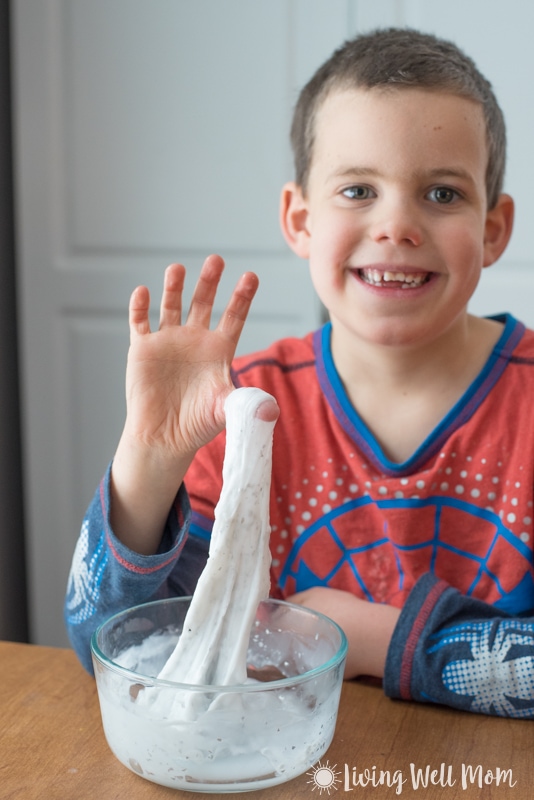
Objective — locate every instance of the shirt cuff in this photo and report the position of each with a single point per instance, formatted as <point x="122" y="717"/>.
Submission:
<point x="172" y="541"/>
<point x="408" y="635"/>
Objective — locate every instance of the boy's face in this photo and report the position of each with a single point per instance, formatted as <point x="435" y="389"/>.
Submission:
<point x="395" y="222"/>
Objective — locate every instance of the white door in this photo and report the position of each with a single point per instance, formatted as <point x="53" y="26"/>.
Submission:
<point x="149" y="131"/>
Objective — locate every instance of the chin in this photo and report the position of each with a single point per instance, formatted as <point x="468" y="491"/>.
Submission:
<point x="384" y="333"/>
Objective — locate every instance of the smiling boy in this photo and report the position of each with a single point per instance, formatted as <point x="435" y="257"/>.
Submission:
<point x="395" y="223"/>
<point x="402" y="482"/>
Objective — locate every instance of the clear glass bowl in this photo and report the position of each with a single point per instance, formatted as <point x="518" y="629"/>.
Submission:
<point x="219" y="738"/>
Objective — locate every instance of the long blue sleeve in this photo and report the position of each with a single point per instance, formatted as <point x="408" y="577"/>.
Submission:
<point x="106" y="577"/>
<point x="451" y="649"/>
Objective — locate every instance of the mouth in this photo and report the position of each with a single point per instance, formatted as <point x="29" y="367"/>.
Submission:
<point x="393" y="279"/>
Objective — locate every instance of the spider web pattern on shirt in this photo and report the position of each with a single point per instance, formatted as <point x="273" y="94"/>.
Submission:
<point x="322" y="553"/>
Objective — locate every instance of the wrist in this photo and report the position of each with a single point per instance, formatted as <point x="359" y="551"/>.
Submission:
<point x="369" y="639"/>
<point x="150" y="454"/>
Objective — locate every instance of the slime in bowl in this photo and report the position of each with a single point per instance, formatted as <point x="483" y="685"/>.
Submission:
<point x="219" y="738"/>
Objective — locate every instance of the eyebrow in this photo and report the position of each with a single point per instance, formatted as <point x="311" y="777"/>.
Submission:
<point x="355" y="172"/>
<point x="439" y="173"/>
<point x="452" y="172"/>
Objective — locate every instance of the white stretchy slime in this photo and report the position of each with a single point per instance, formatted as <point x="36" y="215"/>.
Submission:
<point x="213" y="646"/>
<point x="223" y="740"/>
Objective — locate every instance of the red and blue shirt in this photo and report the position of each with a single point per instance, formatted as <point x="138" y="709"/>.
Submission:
<point x="344" y="515"/>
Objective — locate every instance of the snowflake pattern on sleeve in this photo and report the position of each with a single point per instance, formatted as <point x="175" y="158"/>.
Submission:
<point x="83" y="590"/>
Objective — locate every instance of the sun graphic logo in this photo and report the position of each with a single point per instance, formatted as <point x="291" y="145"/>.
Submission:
<point x="324" y="777"/>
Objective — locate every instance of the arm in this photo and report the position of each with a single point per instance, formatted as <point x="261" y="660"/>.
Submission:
<point x="451" y="649"/>
<point x="177" y="380"/>
<point x="136" y="527"/>
<point x="368" y="626"/>
<point x="443" y="647"/>
<point x="106" y="576"/>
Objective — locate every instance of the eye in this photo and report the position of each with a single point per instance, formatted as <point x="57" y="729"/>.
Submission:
<point x="443" y="195"/>
<point x="358" y="193"/>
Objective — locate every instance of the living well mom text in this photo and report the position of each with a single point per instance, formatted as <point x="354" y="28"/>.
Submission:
<point x="422" y="777"/>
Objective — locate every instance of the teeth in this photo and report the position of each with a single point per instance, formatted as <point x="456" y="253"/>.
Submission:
<point x="407" y="279"/>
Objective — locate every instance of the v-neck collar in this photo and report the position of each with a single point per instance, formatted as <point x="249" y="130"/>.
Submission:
<point x="463" y="409"/>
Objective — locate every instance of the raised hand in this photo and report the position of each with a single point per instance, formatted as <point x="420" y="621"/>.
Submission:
<point x="176" y="382"/>
<point x="178" y="377"/>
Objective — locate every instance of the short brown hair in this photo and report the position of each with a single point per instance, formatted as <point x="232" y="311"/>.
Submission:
<point x="400" y="57"/>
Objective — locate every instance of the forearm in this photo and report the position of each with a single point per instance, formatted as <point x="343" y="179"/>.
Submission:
<point x="451" y="649"/>
<point x="106" y="576"/>
<point x="143" y="489"/>
<point x="369" y="635"/>
<point x="367" y="626"/>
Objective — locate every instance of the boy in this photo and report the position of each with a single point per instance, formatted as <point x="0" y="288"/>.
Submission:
<point x="402" y="490"/>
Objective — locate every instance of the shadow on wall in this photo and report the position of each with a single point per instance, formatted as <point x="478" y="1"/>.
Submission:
<point x="13" y="602"/>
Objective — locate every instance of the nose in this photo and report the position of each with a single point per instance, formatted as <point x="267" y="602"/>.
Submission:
<point x="397" y="222"/>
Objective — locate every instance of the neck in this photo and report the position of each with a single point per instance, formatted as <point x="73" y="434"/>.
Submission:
<point x="403" y="392"/>
<point x="464" y="347"/>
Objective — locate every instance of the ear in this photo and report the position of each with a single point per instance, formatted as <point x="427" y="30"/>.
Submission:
<point x="294" y="219"/>
<point x="498" y="229"/>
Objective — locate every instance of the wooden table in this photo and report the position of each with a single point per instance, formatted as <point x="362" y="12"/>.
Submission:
<point x="52" y="746"/>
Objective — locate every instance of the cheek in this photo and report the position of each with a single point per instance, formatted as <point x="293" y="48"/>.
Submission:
<point x="332" y="242"/>
<point x="322" y="280"/>
<point x="332" y="248"/>
<point x="468" y="252"/>
<point x="328" y="281"/>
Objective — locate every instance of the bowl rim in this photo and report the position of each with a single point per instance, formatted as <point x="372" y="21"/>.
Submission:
<point x="337" y="659"/>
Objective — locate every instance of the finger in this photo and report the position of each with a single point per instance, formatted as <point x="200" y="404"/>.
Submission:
<point x="235" y="314"/>
<point x="205" y="291"/>
<point x="268" y="411"/>
<point x="171" y="299"/>
<point x="138" y="312"/>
